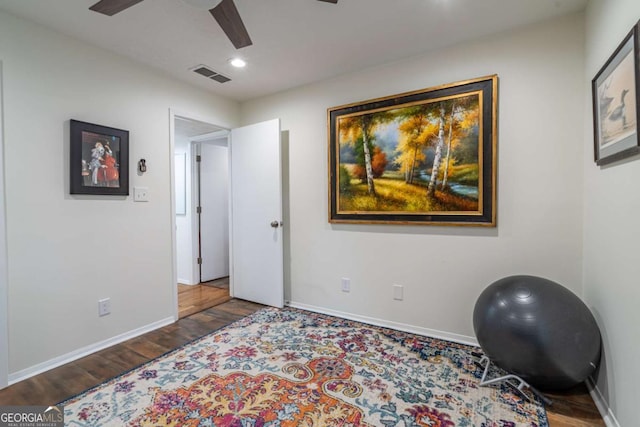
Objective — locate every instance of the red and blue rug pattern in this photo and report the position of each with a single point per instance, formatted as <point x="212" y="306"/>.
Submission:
<point x="288" y="367"/>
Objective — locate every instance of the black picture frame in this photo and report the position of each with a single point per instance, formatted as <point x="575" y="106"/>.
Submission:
<point x="99" y="159"/>
<point x="467" y="197"/>
<point x="616" y="103"/>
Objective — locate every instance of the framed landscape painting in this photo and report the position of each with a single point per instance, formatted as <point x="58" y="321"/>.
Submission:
<point x="99" y="159"/>
<point x="423" y="157"/>
<point x="615" y="103"/>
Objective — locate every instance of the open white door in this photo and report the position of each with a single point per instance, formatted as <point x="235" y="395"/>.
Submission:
<point x="256" y="209"/>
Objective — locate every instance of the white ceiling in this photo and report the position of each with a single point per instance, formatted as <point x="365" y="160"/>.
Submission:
<point x="295" y="42"/>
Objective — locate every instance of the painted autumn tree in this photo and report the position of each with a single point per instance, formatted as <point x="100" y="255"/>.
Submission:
<point x="416" y="130"/>
<point x="464" y="117"/>
<point x="439" y="124"/>
<point x="378" y="162"/>
<point x="435" y="170"/>
<point x="363" y="127"/>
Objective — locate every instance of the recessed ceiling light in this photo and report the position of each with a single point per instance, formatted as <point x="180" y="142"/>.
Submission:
<point x="237" y="62"/>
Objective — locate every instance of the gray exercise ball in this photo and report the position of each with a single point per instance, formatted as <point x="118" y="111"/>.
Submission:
<point x="538" y="330"/>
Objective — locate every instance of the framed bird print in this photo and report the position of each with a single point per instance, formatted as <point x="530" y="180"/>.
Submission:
<point x="616" y="102"/>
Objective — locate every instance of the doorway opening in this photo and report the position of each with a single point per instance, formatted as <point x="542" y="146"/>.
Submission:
<point x="253" y="224"/>
<point x="202" y="215"/>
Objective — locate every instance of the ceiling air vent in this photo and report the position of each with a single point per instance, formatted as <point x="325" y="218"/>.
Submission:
<point x="207" y="72"/>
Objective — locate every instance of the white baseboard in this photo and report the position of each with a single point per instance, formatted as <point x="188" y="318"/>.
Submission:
<point x="602" y="405"/>
<point x="85" y="351"/>
<point x="185" y="282"/>
<point x="461" y="339"/>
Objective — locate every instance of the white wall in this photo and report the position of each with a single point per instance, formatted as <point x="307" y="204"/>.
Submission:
<point x="444" y="269"/>
<point x="612" y="229"/>
<point x="4" y="338"/>
<point x="66" y="252"/>
<point x="187" y="273"/>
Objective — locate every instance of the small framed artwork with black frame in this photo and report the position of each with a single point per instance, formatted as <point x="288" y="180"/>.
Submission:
<point x="99" y="159"/>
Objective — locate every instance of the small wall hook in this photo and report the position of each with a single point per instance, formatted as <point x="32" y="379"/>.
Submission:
<point x="142" y="165"/>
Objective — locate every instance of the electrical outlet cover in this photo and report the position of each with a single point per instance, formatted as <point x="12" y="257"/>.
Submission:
<point x="140" y="194"/>
<point x="398" y="292"/>
<point x="104" y="307"/>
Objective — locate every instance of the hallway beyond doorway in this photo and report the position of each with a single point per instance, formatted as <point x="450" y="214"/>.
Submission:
<point x="195" y="298"/>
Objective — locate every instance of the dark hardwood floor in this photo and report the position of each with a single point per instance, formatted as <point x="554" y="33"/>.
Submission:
<point x="574" y="408"/>
<point x="73" y="378"/>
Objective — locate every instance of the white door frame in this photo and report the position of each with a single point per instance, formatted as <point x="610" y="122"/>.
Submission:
<point x="173" y="114"/>
<point x="4" y="332"/>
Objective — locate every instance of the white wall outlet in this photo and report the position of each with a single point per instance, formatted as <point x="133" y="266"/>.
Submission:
<point x="398" y="292"/>
<point x="104" y="307"/>
<point x="346" y="284"/>
<point x="140" y="194"/>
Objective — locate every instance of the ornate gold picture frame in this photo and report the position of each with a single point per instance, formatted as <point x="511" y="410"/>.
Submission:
<point x="423" y="157"/>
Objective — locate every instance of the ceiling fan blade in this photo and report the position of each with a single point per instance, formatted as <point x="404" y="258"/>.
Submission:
<point x="330" y="1"/>
<point x="229" y="20"/>
<point x="111" y="7"/>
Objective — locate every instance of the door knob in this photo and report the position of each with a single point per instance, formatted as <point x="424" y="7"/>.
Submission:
<point x="275" y="224"/>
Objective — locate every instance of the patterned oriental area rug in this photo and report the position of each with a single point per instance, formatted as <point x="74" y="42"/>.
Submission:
<point x="285" y="368"/>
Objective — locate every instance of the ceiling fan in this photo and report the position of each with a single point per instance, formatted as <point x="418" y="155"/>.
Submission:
<point x="223" y="11"/>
